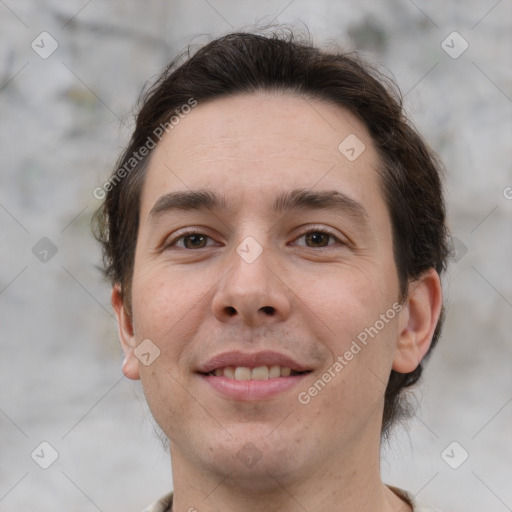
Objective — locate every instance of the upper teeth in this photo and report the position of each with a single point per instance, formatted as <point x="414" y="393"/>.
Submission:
<point x="258" y="373"/>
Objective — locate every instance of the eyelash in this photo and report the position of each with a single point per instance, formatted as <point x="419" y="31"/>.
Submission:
<point x="189" y="233"/>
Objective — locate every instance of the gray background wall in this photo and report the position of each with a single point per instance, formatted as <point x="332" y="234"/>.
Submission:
<point x="63" y="121"/>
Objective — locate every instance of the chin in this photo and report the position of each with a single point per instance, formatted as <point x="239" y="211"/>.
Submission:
<point x="252" y="460"/>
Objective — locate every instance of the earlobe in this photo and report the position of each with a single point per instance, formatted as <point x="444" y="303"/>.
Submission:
<point x="419" y="318"/>
<point x="126" y="335"/>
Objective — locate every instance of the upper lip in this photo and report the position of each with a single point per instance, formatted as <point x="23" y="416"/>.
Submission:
<point x="251" y="360"/>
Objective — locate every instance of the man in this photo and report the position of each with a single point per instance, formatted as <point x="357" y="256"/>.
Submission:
<point x="275" y="234"/>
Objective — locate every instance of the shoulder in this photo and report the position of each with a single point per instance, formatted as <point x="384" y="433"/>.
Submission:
<point x="164" y="504"/>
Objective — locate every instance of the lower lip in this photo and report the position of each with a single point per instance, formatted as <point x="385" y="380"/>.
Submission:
<point x="252" y="389"/>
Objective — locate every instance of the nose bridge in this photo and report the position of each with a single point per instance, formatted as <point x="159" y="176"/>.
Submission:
<point x="250" y="267"/>
<point x="251" y="289"/>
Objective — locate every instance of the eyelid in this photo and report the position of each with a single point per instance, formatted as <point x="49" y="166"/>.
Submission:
<point x="322" y="229"/>
<point x="180" y="234"/>
<point x="202" y="231"/>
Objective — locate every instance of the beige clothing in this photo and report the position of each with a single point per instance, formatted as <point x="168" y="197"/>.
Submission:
<point x="164" y="504"/>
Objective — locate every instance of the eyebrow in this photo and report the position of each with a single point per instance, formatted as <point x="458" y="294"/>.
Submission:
<point x="297" y="199"/>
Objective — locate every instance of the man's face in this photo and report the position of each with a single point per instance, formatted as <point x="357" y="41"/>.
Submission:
<point x="267" y="287"/>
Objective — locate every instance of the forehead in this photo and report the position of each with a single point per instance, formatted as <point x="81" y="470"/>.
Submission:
<point x="246" y="146"/>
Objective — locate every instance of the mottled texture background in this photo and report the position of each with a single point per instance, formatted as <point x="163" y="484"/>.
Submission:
<point x="63" y="121"/>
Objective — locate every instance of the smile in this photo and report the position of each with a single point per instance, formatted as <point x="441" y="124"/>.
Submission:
<point x="258" y="373"/>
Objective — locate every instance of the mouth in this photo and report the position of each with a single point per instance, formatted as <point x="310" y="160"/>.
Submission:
<point x="264" y="372"/>
<point x="256" y="376"/>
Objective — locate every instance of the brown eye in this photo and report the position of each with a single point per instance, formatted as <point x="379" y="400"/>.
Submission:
<point x="196" y="241"/>
<point x="317" y="239"/>
<point x="191" y="240"/>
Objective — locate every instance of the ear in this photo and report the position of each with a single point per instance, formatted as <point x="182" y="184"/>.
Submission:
<point x="418" y="321"/>
<point x="126" y="334"/>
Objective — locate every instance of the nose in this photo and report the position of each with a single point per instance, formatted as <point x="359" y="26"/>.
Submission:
<point x="251" y="292"/>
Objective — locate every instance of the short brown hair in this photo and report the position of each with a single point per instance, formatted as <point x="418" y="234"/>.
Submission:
<point x="410" y="173"/>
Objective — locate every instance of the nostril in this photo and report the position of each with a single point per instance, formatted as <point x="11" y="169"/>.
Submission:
<point x="231" y="310"/>
<point x="268" y="309"/>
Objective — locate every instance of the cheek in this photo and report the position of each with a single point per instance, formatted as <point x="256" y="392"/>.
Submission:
<point x="359" y="319"/>
<point x="350" y="298"/>
<point x="168" y="312"/>
<point x="352" y="386"/>
<point x="164" y="304"/>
